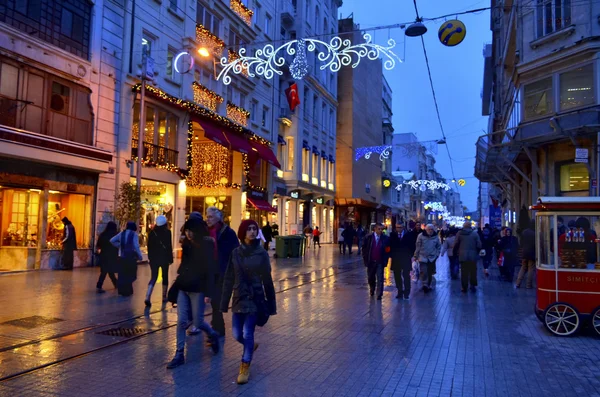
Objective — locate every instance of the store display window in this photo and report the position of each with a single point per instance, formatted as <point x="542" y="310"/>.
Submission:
<point x="76" y="207"/>
<point x="201" y="203"/>
<point x="157" y="199"/>
<point x="19" y="214"/>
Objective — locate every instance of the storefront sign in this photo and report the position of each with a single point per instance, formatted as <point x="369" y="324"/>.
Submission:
<point x="581" y="155"/>
<point x="256" y="194"/>
<point x="320" y="200"/>
<point x="295" y="194"/>
<point x="495" y="217"/>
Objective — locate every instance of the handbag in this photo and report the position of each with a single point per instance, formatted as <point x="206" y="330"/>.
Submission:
<point x="173" y="293"/>
<point x="501" y="259"/>
<point x="262" y="310"/>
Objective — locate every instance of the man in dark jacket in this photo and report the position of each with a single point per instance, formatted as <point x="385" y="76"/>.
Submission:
<point x="467" y="247"/>
<point x="348" y="235"/>
<point x="227" y="241"/>
<point x="528" y="264"/>
<point x="376" y="251"/>
<point x="267" y="232"/>
<point x="401" y="248"/>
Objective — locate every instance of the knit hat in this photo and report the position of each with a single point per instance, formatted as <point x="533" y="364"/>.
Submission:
<point x="195" y="224"/>
<point x="244" y="228"/>
<point x="411" y="224"/>
<point x="161" y="220"/>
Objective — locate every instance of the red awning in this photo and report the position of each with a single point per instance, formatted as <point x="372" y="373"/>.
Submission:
<point x="265" y="153"/>
<point x="261" y="205"/>
<point x="230" y="140"/>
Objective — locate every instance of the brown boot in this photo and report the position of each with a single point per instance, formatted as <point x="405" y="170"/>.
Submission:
<point x="244" y="373"/>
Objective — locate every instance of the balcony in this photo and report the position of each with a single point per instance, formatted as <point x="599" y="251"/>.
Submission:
<point x="288" y="13"/>
<point x="207" y="41"/>
<point x="242" y="11"/>
<point x="155" y="155"/>
<point x="237" y="114"/>
<point x="205" y="97"/>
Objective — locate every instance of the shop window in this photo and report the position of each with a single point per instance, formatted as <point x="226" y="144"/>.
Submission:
<point x="76" y="207"/>
<point x="574" y="177"/>
<point x="577" y="87"/>
<point x="258" y="174"/>
<point x="201" y="203"/>
<point x="157" y="199"/>
<point x="538" y="98"/>
<point x="19" y="212"/>
<point x="323" y="173"/>
<point x="211" y="165"/>
<point x="305" y="164"/>
<point x="63" y="111"/>
<point x="315" y="169"/>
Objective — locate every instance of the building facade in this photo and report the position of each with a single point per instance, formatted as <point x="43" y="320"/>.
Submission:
<point x="57" y="124"/>
<point x="541" y="96"/>
<point x="306" y="143"/>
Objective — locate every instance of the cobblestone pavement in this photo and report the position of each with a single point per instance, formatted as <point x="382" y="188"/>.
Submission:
<point x="331" y="339"/>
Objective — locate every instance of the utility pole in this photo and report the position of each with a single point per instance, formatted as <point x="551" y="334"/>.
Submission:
<point x="147" y="74"/>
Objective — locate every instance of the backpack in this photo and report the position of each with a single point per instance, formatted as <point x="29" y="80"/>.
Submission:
<point x="127" y="249"/>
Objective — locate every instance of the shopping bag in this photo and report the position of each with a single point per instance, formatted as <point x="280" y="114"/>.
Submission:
<point x="501" y="259"/>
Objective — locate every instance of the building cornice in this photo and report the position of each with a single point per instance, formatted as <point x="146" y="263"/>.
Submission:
<point x="561" y="55"/>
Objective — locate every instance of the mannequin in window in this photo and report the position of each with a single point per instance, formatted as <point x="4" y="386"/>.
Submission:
<point x="168" y="210"/>
<point x="150" y="217"/>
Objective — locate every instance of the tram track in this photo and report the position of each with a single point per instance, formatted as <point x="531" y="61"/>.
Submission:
<point x="351" y="267"/>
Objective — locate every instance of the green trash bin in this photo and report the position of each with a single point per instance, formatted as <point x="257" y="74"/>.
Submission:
<point x="282" y="246"/>
<point x="296" y="246"/>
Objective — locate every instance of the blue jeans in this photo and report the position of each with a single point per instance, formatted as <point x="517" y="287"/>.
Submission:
<point x="190" y="305"/>
<point x="243" y="331"/>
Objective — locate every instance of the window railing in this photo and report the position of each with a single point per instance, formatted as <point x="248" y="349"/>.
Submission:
<point x="155" y="155"/>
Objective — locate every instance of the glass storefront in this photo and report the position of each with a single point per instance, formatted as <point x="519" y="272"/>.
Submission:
<point x="19" y="215"/>
<point x="201" y="203"/>
<point x="76" y="207"/>
<point x="158" y="198"/>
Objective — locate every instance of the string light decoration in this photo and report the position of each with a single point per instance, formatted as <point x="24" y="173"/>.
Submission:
<point x="232" y="56"/>
<point x="366" y="152"/>
<point x="201" y="112"/>
<point x="423" y="185"/>
<point x="237" y="114"/>
<point x="207" y="40"/>
<point x="436" y="206"/>
<point x="299" y="66"/>
<point x="190" y="137"/>
<point x="339" y="52"/>
<point x="249" y="183"/>
<point x="212" y="166"/>
<point x="242" y="11"/>
<point x="205" y="97"/>
<point x="160" y="166"/>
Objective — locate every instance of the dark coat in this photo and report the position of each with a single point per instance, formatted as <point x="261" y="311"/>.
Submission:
<point x="248" y="277"/>
<point x="267" y="233"/>
<point x="198" y="271"/>
<point x="528" y="244"/>
<point x="348" y="234"/>
<point x="509" y="245"/>
<point x="160" y="246"/>
<point x="384" y="246"/>
<point x="109" y="254"/>
<point x="402" y="249"/>
<point x="488" y="240"/>
<point x="227" y="241"/>
<point x="467" y="245"/>
<point x="71" y="242"/>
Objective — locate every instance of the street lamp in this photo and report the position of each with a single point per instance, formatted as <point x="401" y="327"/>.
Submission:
<point x="203" y="51"/>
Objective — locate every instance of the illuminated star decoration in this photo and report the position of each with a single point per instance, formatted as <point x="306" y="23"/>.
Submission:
<point x="366" y="152"/>
<point x="423" y="185"/>
<point x="339" y="52"/>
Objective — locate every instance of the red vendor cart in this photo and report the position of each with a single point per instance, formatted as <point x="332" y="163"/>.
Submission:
<point x="568" y="263"/>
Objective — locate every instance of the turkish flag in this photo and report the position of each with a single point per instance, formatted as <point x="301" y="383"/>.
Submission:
<point x="291" y="93"/>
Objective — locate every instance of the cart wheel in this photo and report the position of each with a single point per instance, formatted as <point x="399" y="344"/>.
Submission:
<point x="596" y="321"/>
<point x="561" y="319"/>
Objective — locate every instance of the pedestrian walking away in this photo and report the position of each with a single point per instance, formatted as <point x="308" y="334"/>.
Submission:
<point x="129" y="254"/>
<point x="427" y="251"/>
<point x="267" y="232"/>
<point x="248" y="278"/>
<point x="227" y="241"/>
<point x="69" y="244"/>
<point x="160" y="256"/>
<point x="448" y="248"/>
<point x="509" y="249"/>
<point x="108" y="255"/>
<point x="195" y="284"/>
<point x="308" y="233"/>
<point x="528" y="259"/>
<point x="467" y="247"/>
<point x="316" y="237"/>
<point x="360" y="236"/>
<point x="487" y="243"/>
<point x="340" y="239"/>
<point x="349" y="235"/>
<point x="376" y="253"/>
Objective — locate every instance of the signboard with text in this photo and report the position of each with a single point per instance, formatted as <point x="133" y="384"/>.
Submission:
<point x="495" y="217"/>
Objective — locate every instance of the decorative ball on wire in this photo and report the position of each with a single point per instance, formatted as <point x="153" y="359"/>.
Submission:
<point x="452" y="33"/>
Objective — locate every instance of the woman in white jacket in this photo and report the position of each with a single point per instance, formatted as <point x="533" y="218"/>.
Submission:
<point x="341" y="239"/>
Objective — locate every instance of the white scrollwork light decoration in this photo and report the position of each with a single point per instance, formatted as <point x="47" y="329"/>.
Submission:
<point x="339" y="52"/>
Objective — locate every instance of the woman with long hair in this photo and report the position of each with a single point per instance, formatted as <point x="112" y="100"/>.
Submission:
<point x="129" y="254"/>
<point x="108" y="256"/>
<point x="198" y="273"/>
<point x="160" y="256"/>
<point x="248" y="278"/>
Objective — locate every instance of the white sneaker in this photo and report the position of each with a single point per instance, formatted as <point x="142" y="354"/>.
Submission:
<point x="193" y="331"/>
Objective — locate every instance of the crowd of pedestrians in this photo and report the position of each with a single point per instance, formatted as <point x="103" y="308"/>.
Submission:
<point x="218" y="266"/>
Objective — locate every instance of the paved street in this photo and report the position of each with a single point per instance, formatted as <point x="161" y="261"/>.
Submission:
<point x="328" y="339"/>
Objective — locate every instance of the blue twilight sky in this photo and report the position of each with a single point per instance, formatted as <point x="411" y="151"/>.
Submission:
<point x="457" y="74"/>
